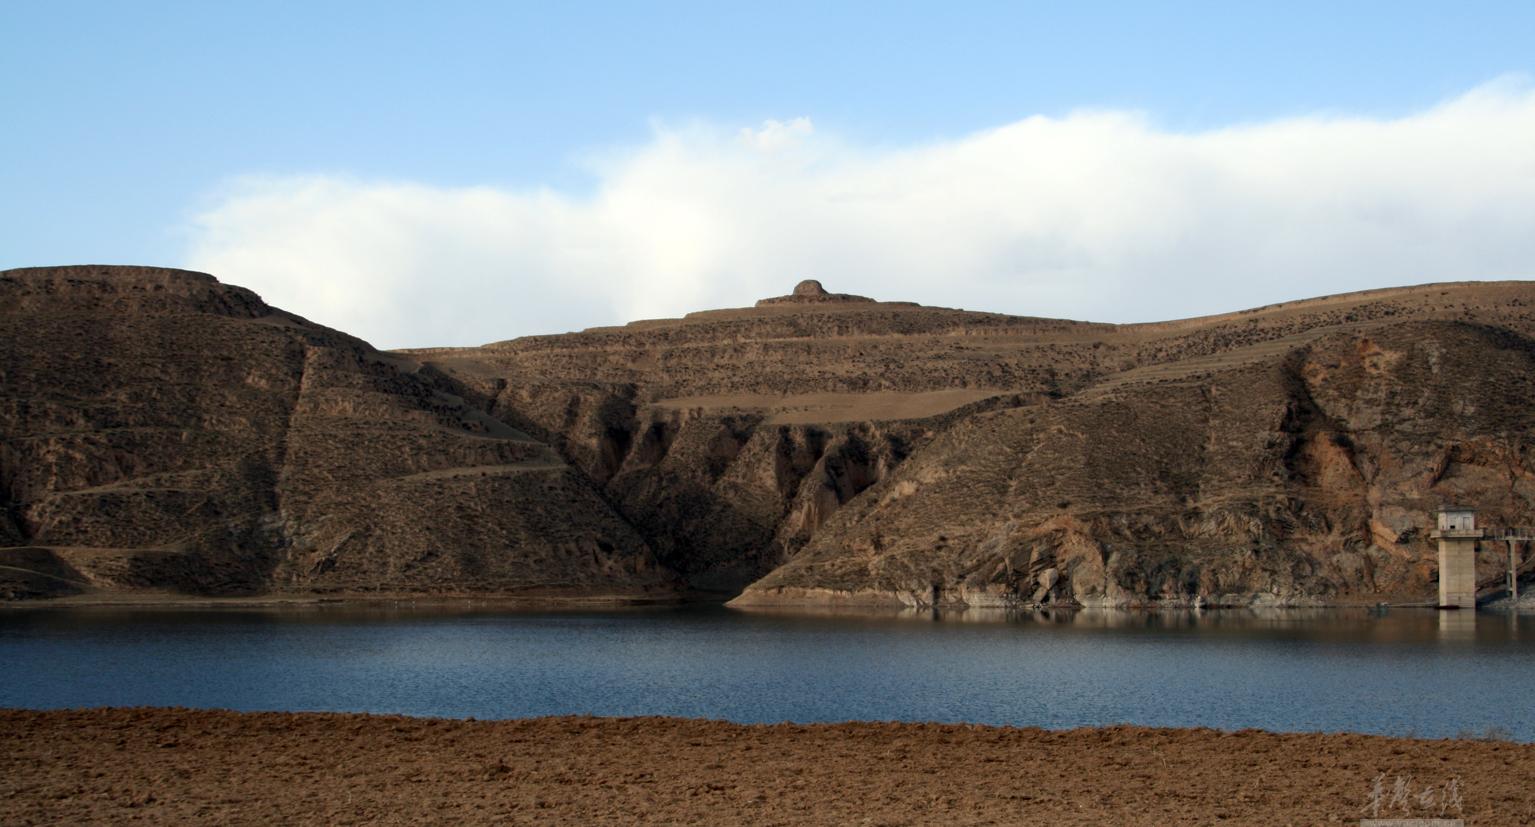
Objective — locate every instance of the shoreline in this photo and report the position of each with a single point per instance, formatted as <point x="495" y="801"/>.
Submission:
<point x="202" y="766"/>
<point x="172" y="600"/>
<point x="774" y="597"/>
<point x="812" y="601"/>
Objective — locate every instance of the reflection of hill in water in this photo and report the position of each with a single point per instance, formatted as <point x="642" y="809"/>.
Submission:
<point x="1340" y="624"/>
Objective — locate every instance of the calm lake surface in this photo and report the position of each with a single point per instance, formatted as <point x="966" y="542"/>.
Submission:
<point x="1403" y="672"/>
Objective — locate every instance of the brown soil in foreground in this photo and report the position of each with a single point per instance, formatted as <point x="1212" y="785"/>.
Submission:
<point x="181" y="766"/>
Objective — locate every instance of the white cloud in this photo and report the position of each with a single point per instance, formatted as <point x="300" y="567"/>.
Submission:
<point x="775" y="135"/>
<point x="1099" y="215"/>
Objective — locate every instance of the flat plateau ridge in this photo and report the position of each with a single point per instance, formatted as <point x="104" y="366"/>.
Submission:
<point x="163" y="431"/>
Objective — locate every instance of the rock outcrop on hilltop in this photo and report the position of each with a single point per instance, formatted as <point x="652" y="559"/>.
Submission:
<point x="811" y="291"/>
<point x="164" y="431"/>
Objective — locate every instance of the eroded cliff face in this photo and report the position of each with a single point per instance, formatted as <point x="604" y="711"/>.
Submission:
<point x="723" y="498"/>
<point x="1306" y="476"/>
<point x="165" y="431"/>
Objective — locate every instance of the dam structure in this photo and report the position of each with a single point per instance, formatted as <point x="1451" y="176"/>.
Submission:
<point x="1459" y="540"/>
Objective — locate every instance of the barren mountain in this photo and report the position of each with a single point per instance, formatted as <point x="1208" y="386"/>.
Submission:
<point x="164" y="430"/>
<point x="824" y="447"/>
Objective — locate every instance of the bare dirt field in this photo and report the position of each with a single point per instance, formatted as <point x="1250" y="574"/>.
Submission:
<point x="182" y="766"/>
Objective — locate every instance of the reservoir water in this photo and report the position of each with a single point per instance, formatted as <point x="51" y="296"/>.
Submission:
<point x="1406" y="672"/>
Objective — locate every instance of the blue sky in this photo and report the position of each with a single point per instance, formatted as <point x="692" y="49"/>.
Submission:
<point x="124" y="122"/>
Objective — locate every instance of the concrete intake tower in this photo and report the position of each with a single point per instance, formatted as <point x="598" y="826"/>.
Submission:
<point x="1457" y="535"/>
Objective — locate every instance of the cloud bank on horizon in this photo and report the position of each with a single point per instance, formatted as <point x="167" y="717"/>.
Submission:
<point x="1097" y="215"/>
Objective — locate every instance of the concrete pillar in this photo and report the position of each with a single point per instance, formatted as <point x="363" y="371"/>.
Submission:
<point x="1457" y="571"/>
<point x="1513" y="569"/>
<point x="1457" y="534"/>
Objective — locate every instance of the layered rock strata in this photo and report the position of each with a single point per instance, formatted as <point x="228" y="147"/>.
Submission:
<point x="166" y="431"/>
<point x="162" y="430"/>
<point x="1287" y="454"/>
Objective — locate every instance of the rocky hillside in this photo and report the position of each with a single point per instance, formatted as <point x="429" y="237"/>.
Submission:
<point x="824" y="447"/>
<point x="164" y="431"/>
<point x="1305" y="475"/>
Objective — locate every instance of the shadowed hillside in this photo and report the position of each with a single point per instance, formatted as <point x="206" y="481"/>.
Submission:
<point x="165" y="431"/>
